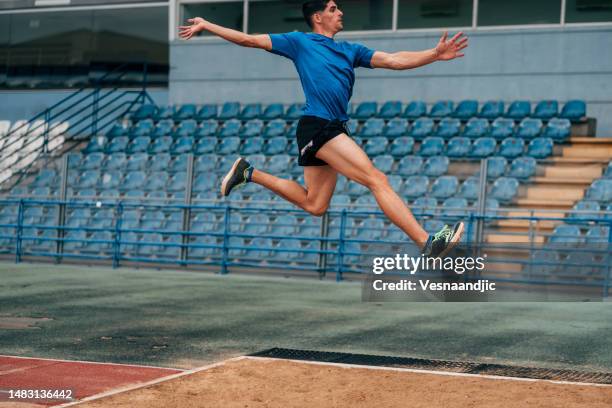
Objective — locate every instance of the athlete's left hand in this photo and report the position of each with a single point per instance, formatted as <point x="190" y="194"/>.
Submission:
<point x="450" y="49"/>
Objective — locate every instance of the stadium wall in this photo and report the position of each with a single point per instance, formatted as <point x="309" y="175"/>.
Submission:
<point x="513" y="63"/>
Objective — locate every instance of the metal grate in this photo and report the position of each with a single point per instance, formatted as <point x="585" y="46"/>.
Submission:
<point x="438" y="365"/>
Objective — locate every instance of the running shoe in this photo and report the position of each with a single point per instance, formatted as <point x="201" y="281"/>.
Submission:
<point x="236" y="177"/>
<point x="440" y="243"/>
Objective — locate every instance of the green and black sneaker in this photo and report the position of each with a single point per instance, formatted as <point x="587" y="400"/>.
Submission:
<point x="440" y="243"/>
<point x="238" y="176"/>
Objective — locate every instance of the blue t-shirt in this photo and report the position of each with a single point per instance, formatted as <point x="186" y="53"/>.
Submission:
<point x="326" y="70"/>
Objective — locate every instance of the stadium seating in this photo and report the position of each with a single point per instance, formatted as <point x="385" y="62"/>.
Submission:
<point x="518" y="110"/>
<point x="574" y="110"/>
<point x="390" y="109"/>
<point x="546" y="109"/>
<point x="504" y="189"/>
<point x="466" y="109"/>
<point x="441" y="109"/>
<point x="492" y="109"/>
<point x="415" y="110"/>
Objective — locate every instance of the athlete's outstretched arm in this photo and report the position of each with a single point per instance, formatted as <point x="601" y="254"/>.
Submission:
<point x="444" y="51"/>
<point x="198" y="24"/>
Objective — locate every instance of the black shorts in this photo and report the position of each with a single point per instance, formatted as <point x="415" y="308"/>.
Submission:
<point x="312" y="133"/>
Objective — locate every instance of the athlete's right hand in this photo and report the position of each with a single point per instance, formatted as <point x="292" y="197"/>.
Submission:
<point x="188" y="31"/>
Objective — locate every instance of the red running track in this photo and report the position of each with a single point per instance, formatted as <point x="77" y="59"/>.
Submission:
<point x="83" y="378"/>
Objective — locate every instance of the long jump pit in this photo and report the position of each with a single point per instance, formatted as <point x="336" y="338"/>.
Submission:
<point x="297" y="378"/>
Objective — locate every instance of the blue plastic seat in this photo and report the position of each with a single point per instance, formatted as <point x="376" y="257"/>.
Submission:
<point x="88" y="179"/>
<point x="458" y="147"/>
<point x="187" y="127"/>
<point x="574" y="110"/>
<point x="410" y="165"/>
<point x="415" y="110"/>
<point x="518" y="110"/>
<point x="566" y="234"/>
<point x="436" y="166"/>
<point x="587" y="211"/>
<point x="511" y="147"/>
<point x="206" y="112"/>
<point x="466" y="109"/>
<point x="504" y="189"/>
<point x="149" y="245"/>
<point x="442" y="109"/>
<point x="208" y="128"/>
<point x="204" y="182"/>
<point x="96" y="144"/>
<point x="522" y="167"/>
<point x="164" y="112"/>
<point x="276" y="145"/>
<point x="257" y="160"/>
<point x="257" y="224"/>
<point x="396" y="127"/>
<point x="292" y="130"/>
<point x="529" y="128"/>
<point x="366" y="110"/>
<point x="483" y="147"/>
<point x="273" y="111"/>
<point x="455" y="208"/>
<point x="352" y="125"/>
<point x="92" y="161"/>
<point x="224" y="164"/>
<point x="341" y="183"/>
<point x="205" y="145"/>
<point x="184" y="112"/>
<point x="118" y="144"/>
<point x="252" y="146"/>
<point x="476" y="127"/>
<point x="206" y="163"/>
<point x="294" y="111"/>
<point x="139" y="145"/>
<point x="110" y="180"/>
<point x="133" y="180"/>
<point x="492" y="109"/>
<point x="160" y="162"/>
<point x="229" y="110"/>
<point x="369" y="230"/>
<point x="292" y="148"/>
<point x="278" y="163"/>
<point x="401" y="146"/>
<point x="260" y="249"/>
<point x="286" y="225"/>
<point x="444" y="186"/>
<point x="448" y="127"/>
<point x="502" y="128"/>
<point x="74" y="160"/>
<point x="546" y="109"/>
<point x="116" y="130"/>
<point x="146" y="111"/>
<point x="157" y="180"/>
<point x="230" y="128"/>
<point x="383" y="163"/>
<point x="142" y="128"/>
<point x="356" y="189"/>
<point x="540" y="147"/>
<point x="422" y="128"/>
<point x="252" y="128"/>
<point x="289" y="249"/>
<point x="251" y="111"/>
<point x="395" y="181"/>
<point x="137" y="161"/>
<point x="183" y="144"/>
<point x="161" y="145"/>
<point x="432" y="146"/>
<point x="424" y="206"/>
<point x="415" y="186"/>
<point x="376" y="146"/>
<point x="341" y="200"/>
<point x="180" y="163"/>
<point x="177" y="182"/>
<point x="228" y="145"/>
<point x="373" y="127"/>
<point x="558" y="129"/>
<point x="164" y="128"/>
<point x="469" y="188"/>
<point x="275" y="128"/>
<point x="600" y="190"/>
<point x="115" y="161"/>
<point x="598" y="234"/>
<point x="496" y="166"/>
<point x="390" y="109"/>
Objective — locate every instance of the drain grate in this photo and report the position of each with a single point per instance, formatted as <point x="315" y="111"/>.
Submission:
<point x="438" y="365"/>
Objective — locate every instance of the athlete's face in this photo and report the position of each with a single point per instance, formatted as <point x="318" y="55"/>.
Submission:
<point x="331" y="17"/>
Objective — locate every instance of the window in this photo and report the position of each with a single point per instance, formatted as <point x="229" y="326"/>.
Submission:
<point x="276" y="16"/>
<point x="361" y="15"/>
<point x="518" y="12"/>
<point x="226" y="14"/>
<point x="434" y="13"/>
<point x="587" y="11"/>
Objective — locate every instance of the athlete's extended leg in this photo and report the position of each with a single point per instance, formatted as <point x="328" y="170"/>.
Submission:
<point x="320" y="184"/>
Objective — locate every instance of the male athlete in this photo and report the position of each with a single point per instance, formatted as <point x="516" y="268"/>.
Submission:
<point x="326" y="71"/>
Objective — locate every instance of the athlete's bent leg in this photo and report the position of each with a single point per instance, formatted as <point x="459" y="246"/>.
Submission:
<point x="346" y="157"/>
<point x="320" y="184"/>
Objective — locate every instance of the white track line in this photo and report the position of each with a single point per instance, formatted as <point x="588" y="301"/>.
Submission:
<point x="417" y="371"/>
<point x="148" y="383"/>
<point x="92" y="362"/>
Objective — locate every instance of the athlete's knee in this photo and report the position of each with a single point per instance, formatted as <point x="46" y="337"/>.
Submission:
<point x="316" y="209"/>
<point x="376" y="179"/>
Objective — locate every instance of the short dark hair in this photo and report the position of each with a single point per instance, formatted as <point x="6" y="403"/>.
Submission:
<point x="311" y="7"/>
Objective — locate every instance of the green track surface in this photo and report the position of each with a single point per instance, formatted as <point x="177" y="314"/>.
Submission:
<point x="186" y="319"/>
